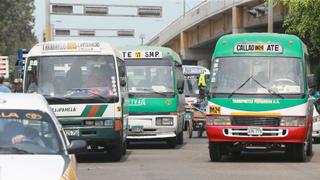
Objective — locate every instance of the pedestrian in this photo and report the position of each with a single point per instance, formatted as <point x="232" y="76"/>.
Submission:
<point x="3" y="88"/>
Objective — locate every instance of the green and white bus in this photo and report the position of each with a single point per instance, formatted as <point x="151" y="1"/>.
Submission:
<point x="259" y="98"/>
<point x="85" y="85"/>
<point x="156" y="99"/>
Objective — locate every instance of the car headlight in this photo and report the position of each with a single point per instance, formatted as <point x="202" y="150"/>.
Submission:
<point x="164" y="121"/>
<point x="218" y="121"/>
<point x="293" y="121"/>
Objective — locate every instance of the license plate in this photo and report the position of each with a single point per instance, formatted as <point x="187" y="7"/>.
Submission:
<point x="72" y="132"/>
<point x="137" y="129"/>
<point x="255" y="131"/>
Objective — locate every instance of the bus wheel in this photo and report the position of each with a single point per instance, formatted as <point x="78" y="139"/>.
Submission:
<point x="190" y="129"/>
<point x="316" y="140"/>
<point x="172" y="142"/>
<point x="298" y="152"/>
<point x="124" y="148"/>
<point x="115" y="152"/>
<point x="180" y="138"/>
<point x="215" y="151"/>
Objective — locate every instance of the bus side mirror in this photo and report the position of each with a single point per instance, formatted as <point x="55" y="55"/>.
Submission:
<point x="180" y="86"/>
<point x="123" y="82"/>
<point x="312" y="83"/>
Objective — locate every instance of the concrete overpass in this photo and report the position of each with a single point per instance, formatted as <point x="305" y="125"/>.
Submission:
<point x="194" y="35"/>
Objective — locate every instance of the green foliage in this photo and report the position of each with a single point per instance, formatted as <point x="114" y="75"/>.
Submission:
<point x="304" y="20"/>
<point x="16" y="25"/>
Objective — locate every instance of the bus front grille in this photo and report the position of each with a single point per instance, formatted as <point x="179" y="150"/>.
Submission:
<point x="255" y="121"/>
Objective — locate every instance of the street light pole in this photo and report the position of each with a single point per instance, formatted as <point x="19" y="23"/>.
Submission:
<point x="270" y="16"/>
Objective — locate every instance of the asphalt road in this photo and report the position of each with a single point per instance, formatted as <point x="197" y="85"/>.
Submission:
<point x="191" y="161"/>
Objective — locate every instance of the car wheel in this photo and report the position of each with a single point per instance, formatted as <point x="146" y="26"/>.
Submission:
<point x="115" y="152"/>
<point x="215" y="151"/>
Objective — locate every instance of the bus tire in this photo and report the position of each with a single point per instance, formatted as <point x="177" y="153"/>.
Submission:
<point x="172" y="142"/>
<point x="124" y="148"/>
<point x="215" y="151"/>
<point x="316" y="140"/>
<point x="298" y="152"/>
<point x="115" y="152"/>
<point x="180" y="138"/>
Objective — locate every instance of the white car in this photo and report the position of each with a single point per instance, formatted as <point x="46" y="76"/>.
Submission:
<point x="32" y="142"/>
<point x="316" y="126"/>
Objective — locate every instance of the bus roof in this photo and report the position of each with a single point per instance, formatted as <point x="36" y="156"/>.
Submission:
<point x="61" y="48"/>
<point x="259" y="44"/>
<point x="194" y="70"/>
<point x="163" y="51"/>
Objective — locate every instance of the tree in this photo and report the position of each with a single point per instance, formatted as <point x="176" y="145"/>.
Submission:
<point x="16" y="25"/>
<point x="304" y="20"/>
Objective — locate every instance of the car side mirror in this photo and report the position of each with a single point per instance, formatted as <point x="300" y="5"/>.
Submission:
<point x="180" y="86"/>
<point x="123" y="82"/>
<point x="77" y="146"/>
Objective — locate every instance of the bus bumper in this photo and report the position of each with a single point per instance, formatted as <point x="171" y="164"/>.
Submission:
<point x="270" y="134"/>
<point x="145" y="127"/>
<point x="96" y="136"/>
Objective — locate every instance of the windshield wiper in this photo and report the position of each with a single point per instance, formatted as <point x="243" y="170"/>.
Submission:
<point x="102" y="98"/>
<point x="15" y="150"/>
<point x="268" y="89"/>
<point x="150" y="91"/>
<point x="245" y="82"/>
<point x="56" y="98"/>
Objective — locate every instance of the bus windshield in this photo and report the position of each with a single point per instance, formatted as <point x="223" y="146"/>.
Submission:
<point x="73" y="79"/>
<point x="150" y="76"/>
<point x="191" y="88"/>
<point x="257" y="75"/>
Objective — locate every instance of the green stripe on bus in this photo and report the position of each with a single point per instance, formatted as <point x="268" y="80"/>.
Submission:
<point x="86" y="111"/>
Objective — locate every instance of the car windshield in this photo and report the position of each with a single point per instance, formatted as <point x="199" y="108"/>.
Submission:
<point x="257" y="75"/>
<point x="147" y="77"/>
<point x="28" y="132"/>
<point x="73" y="79"/>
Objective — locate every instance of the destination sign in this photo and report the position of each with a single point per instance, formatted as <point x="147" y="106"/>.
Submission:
<point x="72" y="46"/>
<point x="149" y="54"/>
<point x="258" y="48"/>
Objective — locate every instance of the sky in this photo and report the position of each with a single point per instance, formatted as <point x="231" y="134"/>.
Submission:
<point x="172" y="9"/>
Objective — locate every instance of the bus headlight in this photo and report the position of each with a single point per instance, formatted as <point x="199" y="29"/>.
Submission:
<point x="164" y="121"/>
<point x="218" y="121"/>
<point x="293" y="121"/>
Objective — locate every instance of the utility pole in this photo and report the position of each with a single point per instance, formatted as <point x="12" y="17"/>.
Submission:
<point x="47" y="31"/>
<point x="270" y="16"/>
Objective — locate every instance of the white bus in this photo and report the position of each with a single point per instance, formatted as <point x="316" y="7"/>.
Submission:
<point x="85" y="85"/>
